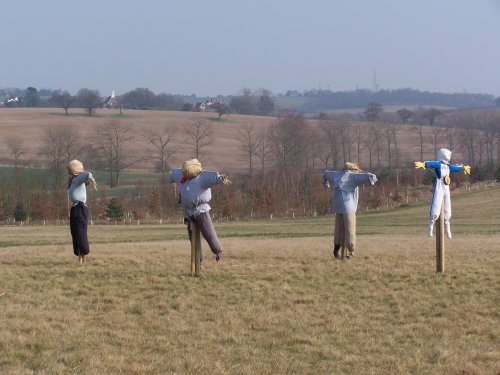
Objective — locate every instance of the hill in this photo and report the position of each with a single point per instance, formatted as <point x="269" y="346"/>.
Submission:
<point x="225" y="152"/>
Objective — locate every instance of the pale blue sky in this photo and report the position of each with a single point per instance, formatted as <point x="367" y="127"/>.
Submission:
<point x="222" y="46"/>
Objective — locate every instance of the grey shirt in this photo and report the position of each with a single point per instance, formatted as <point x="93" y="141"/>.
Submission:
<point x="345" y="188"/>
<point x="77" y="191"/>
<point x="195" y="193"/>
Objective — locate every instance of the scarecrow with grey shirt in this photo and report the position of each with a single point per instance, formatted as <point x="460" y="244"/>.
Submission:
<point x="79" y="213"/>
<point x="345" y="201"/>
<point x="194" y="194"/>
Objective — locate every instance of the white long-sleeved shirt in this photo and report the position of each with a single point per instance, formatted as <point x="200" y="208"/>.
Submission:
<point x="345" y="188"/>
<point x="77" y="191"/>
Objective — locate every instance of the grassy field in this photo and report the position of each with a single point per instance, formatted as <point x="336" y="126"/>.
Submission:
<point x="225" y="152"/>
<point x="276" y="304"/>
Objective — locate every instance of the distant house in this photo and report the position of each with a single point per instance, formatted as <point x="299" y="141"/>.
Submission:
<point x="11" y="102"/>
<point x="111" y="101"/>
<point x="209" y="105"/>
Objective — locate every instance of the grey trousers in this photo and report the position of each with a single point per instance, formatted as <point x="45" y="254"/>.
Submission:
<point x="349" y="221"/>
<point x="207" y="230"/>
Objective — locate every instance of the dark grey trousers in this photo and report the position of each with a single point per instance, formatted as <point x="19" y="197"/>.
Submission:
<point x="207" y="230"/>
<point x="78" y="219"/>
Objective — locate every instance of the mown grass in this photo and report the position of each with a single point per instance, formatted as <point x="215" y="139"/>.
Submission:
<point x="276" y="304"/>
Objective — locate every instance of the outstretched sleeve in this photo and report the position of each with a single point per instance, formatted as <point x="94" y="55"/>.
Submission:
<point x="176" y="175"/>
<point x="456" y="167"/>
<point x="364" y="179"/>
<point x="209" y="178"/>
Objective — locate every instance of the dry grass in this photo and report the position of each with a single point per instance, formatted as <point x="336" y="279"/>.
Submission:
<point x="272" y="306"/>
<point x="31" y="123"/>
<point x="276" y="304"/>
<point x="224" y="153"/>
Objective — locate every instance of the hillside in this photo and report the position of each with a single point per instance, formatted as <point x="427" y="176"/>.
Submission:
<point x="225" y="152"/>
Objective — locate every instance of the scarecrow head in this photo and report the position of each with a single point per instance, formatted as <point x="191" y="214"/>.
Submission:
<point x="352" y="167"/>
<point x="443" y="155"/>
<point x="75" y="167"/>
<point x="191" y="168"/>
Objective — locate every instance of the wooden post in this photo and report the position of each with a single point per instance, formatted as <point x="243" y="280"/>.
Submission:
<point x="342" y="237"/>
<point x="440" y="242"/>
<point x="195" y="249"/>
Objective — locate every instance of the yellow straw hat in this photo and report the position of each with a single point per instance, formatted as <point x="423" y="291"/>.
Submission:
<point x="75" y="167"/>
<point x="353" y="167"/>
<point x="191" y="168"/>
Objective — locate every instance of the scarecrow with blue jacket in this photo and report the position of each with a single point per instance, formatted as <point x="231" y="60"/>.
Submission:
<point x="441" y="191"/>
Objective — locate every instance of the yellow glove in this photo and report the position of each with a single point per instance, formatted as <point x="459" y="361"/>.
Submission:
<point x="225" y="179"/>
<point x="466" y="169"/>
<point x="419" y="164"/>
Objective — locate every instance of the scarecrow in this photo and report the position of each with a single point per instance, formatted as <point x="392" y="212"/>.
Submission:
<point x="442" y="169"/>
<point x="345" y="202"/>
<point x="78" y="181"/>
<point x="194" y="194"/>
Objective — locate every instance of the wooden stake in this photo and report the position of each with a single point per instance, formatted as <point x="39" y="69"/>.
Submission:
<point x="440" y="249"/>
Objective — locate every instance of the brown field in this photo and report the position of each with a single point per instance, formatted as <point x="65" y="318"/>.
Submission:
<point x="276" y="304"/>
<point x="224" y="154"/>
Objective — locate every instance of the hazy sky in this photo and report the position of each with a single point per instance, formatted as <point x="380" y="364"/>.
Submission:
<point x="216" y="47"/>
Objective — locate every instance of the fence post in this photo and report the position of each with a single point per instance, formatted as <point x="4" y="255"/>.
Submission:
<point x="195" y="249"/>
<point x="440" y="242"/>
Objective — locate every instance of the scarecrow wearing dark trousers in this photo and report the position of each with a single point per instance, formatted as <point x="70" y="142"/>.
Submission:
<point x="194" y="194"/>
<point x="79" y="213"/>
<point x="345" y="202"/>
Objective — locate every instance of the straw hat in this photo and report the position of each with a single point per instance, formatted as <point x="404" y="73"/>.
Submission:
<point x="353" y="167"/>
<point x="191" y="168"/>
<point x="75" y="167"/>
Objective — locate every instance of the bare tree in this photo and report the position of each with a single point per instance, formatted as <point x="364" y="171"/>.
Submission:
<point x="491" y="132"/>
<point x="333" y="140"/>
<point x="373" y="111"/>
<point x="376" y="136"/>
<point x="64" y="100"/>
<point x="389" y="131"/>
<point x="436" y="135"/>
<point x="249" y="141"/>
<point x="346" y="137"/>
<point x="450" y="136"/>
<point x="431" y="115"/>
<point x="112" y="141"/>
<point x="16" y="150"/>
<point x="263" y="150"/>
<point x="289" y="140"/>
<point x="221" y="108"/>
<point x="199" y="137"/>
<point x="395" y="129"/>
<point x="419" y="129"/>
<point x="359" y="136"/>
<point x="161" y="143"/>
<point x="89" y="99"/>
<point x="404" y="114"/>
<point x="60" y="144"/>
<point x="468" y="134"/>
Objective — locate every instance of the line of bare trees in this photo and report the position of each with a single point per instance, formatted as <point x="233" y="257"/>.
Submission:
<point x="283" y="163"/>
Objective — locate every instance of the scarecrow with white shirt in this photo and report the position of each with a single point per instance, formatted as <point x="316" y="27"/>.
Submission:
<point x="78" y="181"/>
<point x="441" y="191"/>
<point x="194" y="194"/>
<point x="345" y="189"/>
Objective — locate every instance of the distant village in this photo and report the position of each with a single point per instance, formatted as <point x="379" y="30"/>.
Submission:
<point x="112" y="101"/>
